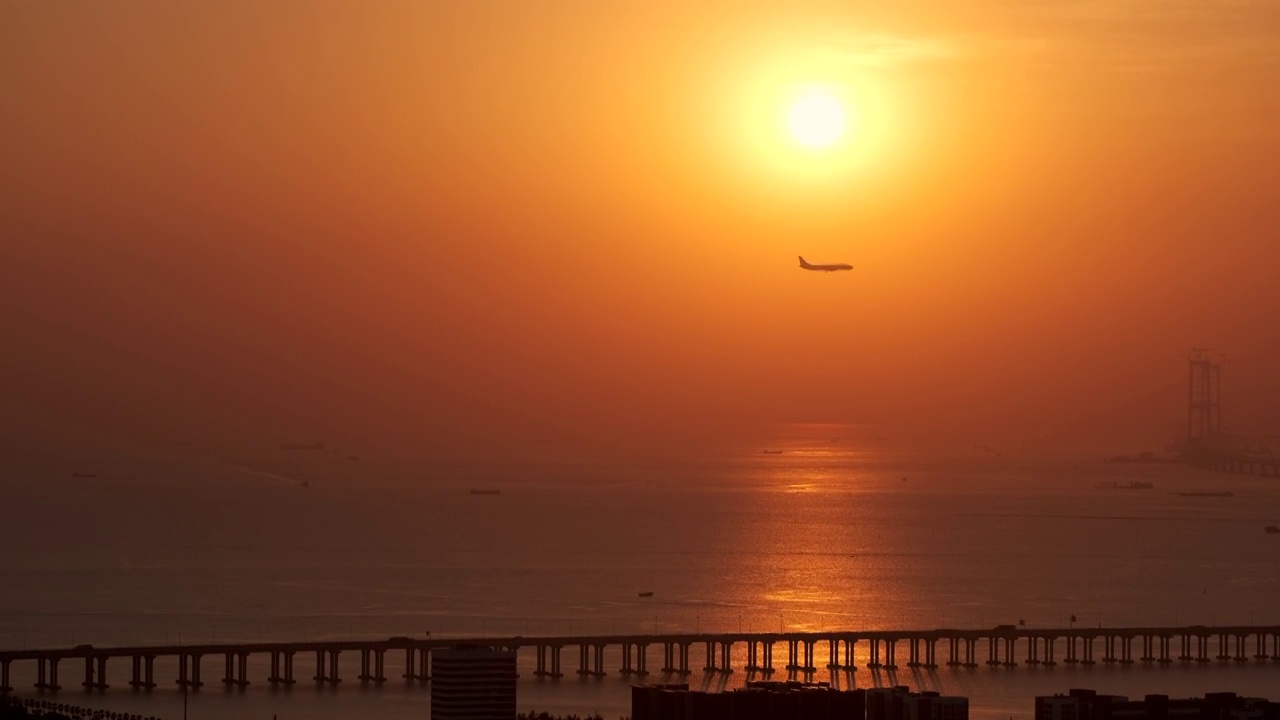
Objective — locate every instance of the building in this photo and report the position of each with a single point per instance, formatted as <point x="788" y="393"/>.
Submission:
<point x="1089" y="705"/>
<point x="756" y="701"/>
<point x="899" y="703"/>
<point x="473" y="683"/>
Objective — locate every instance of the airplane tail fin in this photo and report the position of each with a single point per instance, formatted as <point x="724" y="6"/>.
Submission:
<point x="803" y="264"/>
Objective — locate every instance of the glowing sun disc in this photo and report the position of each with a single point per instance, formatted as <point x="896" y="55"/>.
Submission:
<point x="816" y="120"/>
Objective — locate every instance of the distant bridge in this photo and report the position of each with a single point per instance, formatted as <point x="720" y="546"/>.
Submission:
<point x="1206" y="445"/>
<point x="1003" y="645"/>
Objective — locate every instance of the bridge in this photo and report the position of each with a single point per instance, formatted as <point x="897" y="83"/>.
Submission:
<point x="962" y="648"/>
<point x="1206" y="445"/>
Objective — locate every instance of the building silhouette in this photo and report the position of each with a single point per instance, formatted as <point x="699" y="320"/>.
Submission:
<point x="899" y="703"/>
<point x="756" y="701"/>
<point x="473" y="683"/>
<point x="1089" y="705"/>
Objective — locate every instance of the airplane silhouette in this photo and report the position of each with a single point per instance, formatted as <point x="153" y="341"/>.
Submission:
<point x="824" y="268"/>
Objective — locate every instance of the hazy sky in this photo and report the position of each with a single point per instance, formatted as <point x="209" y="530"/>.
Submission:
<point x="407" y="220"/>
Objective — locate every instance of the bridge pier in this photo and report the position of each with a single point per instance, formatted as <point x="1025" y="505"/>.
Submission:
<point x="98" y="680"/>
<point x="1126" y="650"/>
<point x="553" y="651"/>
<point x="236" y="669"/>
<point x="1164" y="650"/>
<point x="873" y="659"/>
<point x="1010" y="647"/>
<point x="913" y="652"/>
<point x="1049" y="647"/>
<point x="276" y="678"/>
<point x="371" y="665"/>
<point x="1033" y="650"/>
<point x="143" y="672"/>
<point x="1222" y="648"/>
<point x="192" y="680"/>
<point x="638" y="667"/>
<point x="1260" y="652"/>
<point x="330" y="675"/>
<point x="591" y="660"/>
<point x="1240" y="657"/>
<point x="47" y="674"/>
<point x="676" y="658"/>
<point x="417" y="664"/>
<point x="756" y="663"/>
<point x="794" y="657"/>
<point x="5" y="687"/>
<point x="993" y="654"/>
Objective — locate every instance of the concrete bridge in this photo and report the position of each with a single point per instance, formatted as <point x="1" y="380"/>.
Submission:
<point x="961" y="648"/>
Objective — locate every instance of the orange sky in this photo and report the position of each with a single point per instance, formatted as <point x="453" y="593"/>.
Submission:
<point x="296" y="220"/>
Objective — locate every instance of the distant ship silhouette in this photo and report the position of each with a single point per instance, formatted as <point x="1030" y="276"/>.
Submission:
<point x="302" y="446"/>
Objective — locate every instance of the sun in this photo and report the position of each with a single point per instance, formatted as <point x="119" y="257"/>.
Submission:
<point x="816" y="120"/>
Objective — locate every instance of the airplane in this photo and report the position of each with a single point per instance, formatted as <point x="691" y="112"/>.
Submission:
<point x="824" y="268"/>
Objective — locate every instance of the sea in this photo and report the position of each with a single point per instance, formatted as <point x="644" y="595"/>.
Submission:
<point x="194" y="545"/>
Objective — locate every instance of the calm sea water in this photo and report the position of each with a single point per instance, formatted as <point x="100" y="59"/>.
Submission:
<point x="229" y="546"/>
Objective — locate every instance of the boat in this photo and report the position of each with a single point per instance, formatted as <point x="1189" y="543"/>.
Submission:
<point x="1271" y="530"/>
<point x="84" y="475"/>
<point x="302" y="446"/>
<point x="647" y="593"/>
<point x="772" y="452"/>
<point x="1206" y="494"/>
<point x="486" y="492"/>
<point x="1132" y="485"/>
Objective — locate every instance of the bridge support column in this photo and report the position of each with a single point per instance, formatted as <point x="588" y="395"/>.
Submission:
<point x="913" y="652"/>
<point x="1033" y="650"/>
<point x="47" y="674"/>
<point x="711" y="657"/>
<point x="890" y="654"/>
<point x="5" y="687"/>
<point x="971" y="652"/>
<point x="1260" y="652"/>
<point x="236" y="670"/>
<point x="850" y="654"/>
<point x="1202" y="650"/>
<point x="277" y="678"/>
<point x="1110" y="643"/>
<point x="953" y="657"/>
<point x="874" y="658"/>
<point x="1126" y="651"/>
<point x="1223" y="648"/>
<point x="410" y="671"/>
<point x="1148" y="650"/>
<point x="1049" y="648"/>
<point x="98" y="680"/>
<point x="1240" y="657"/>
<point x="1010" y="646"/>
<point x="930" y="654"/>
<point x="189" y="679"/>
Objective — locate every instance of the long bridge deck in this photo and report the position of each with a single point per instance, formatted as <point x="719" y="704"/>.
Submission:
<point x="1040" y="645"/>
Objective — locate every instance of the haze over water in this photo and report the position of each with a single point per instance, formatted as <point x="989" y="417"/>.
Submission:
<point x="833" y="533"/>
<point x="551" y="248"/>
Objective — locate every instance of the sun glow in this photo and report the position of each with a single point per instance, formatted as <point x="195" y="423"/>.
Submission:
<point x="816" y="120"/>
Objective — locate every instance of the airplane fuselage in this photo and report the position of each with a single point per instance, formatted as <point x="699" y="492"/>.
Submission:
<point x="824" y="268"/>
